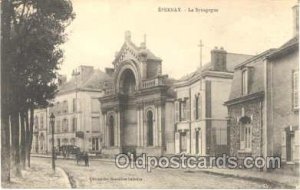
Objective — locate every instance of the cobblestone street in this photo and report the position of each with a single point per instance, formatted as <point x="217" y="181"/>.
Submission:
<point x="103" y="174"/>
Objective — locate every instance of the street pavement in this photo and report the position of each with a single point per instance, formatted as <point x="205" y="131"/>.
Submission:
<point x="103" y="174"/>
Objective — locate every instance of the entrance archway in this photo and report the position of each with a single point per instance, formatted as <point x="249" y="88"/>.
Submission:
<point x="127" y="82"/>
<point x="128" y="124"/>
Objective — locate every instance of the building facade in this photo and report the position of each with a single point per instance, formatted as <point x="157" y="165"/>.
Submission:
<point x="40" y="131"/>
<point x="247" y="108"/>
<point x="283" y="102"/>
<point x="77" y="112"/>
<point x="200" y="116"/>
<point x="138" y="109"/>
<point x="264" y="104"/>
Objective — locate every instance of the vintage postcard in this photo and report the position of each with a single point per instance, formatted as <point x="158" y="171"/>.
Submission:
<point x="185" y="94"/>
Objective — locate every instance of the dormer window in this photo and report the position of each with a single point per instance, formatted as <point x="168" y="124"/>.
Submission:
<point x="245" y="82"/>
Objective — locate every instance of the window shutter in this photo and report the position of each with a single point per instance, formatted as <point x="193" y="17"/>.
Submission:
<point x="176" y="111"/>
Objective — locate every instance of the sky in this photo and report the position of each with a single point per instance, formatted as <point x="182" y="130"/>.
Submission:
<point x="240" y="26"/>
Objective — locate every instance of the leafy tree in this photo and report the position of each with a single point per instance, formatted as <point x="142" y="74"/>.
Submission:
<point x="32" y="32"/>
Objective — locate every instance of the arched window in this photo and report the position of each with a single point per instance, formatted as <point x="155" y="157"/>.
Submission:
<point x="150" y="128"/>
<point x="245" y="133"/>
<point x="111" y="131"/>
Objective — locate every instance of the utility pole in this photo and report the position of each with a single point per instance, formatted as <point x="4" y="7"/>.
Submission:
<point x="52" y="122"/>
<point x="200" y="45"/>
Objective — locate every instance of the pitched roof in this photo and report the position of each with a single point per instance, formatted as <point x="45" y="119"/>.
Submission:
<point x="292" y="44"/>
<point x="256" y="76"/>
<point x="232" y="59"/>
<point x="93" y="81"/>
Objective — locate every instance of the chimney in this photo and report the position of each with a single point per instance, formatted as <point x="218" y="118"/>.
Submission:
<point x="127" y="36"/>
<point x="143" y="45"/>
<point x="296" y="19"/>
<point x="109" y="71"/>
<point x="84" y="71"/>
<point x="61" y="79"/>
<point x="218" y="59"/>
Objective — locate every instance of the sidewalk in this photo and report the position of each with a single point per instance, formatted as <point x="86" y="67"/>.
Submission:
<point x="40" y="176"/>
<point x="271" y="178"/>
<point x="276" y="179"/>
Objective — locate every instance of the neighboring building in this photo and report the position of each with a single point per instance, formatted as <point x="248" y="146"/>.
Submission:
<point x="283" y="102"/>
<point x="264" y="104"/>
<point x="200" y="116"/>
<point x="246" y="108"/>
<point x="138" y="109"/>
<point x="77" y="112"/>
<point x="40" y="131"/>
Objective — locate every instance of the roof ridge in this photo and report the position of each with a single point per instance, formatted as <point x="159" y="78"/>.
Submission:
<point x="255" y="57"/>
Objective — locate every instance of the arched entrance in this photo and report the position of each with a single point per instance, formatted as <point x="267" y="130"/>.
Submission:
<point x="127" y="82"/>
<point x="128" y="123"/>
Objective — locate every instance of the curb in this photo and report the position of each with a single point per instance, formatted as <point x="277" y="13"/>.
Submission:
<point x="72" y="181"/>
<point x="271" y="183"/>
<point x="65" y="176"/>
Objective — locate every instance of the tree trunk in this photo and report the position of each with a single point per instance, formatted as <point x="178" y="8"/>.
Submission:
<point x="16" y="142"/>
<point x="27" y="134"/>
<point x="23" y="147"/>
<point x="30" y="134"/>
<point x="5" y="148"/>
<point x="5" y="89"/>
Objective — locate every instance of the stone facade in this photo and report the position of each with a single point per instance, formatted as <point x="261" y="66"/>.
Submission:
<point x="254" y="110"/>
<point x="136" y="109"/>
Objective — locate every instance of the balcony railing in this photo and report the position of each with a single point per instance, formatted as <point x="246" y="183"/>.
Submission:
<point x="153" y="82"/>
<point x="158" y="81"/>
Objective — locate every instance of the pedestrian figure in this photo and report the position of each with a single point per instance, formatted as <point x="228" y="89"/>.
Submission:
<point x="86" y="159"/>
